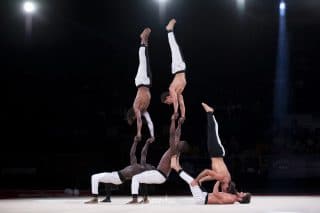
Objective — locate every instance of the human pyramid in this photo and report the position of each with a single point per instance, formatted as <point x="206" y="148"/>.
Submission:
<point x="224" y="191"/>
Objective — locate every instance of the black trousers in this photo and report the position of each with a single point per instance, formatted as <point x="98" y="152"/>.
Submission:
<point x="215" y="147"/>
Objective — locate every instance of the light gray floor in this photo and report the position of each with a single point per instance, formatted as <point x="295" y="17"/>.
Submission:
<point x="171" y="204"/>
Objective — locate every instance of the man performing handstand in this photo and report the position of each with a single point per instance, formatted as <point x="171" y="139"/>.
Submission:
<point x="160" y="175"/>
<point x="119" y="177"/>
<point x="219" y="170"/>
<point x="143" y="83"/>
<point x="202" y="197"/>
<point x="178" y="67"/>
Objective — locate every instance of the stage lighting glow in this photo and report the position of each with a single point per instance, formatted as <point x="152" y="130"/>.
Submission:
<point x="162" y="1"/>
<point x="282" y="78"/>
<point x="29" y="7"/>
<point x="282" y="6"/>
<point x="241" y="4"/>
<point x="162" y="4"/>
<point x="241" y="1"/>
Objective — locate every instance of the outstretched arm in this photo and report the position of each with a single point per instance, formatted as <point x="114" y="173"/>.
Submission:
<point x="133" y="158"/>
<point x="216" y="187"/>
<point x="208" y="172"/>
<point x="174" y="97"/>
<point x="172" y="132"/>
<point x="144" y="152"/>
<point x="178" y="132"/>
<point x="206" y="178"/>
<point x="182" y="107"/>
<point x="139" y="123"/>
<point x="149" y="122"/>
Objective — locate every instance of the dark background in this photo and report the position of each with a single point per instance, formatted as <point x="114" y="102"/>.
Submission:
<point x="68" y="84"/>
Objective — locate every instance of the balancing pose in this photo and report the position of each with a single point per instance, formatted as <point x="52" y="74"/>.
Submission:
<point x="215" y="197"/>
<point x="143" y="83"/>
<point x="219" y="170"/>
<point x="160" y="175"/>
<point x="178" y="68"/>
<point x="119" y="177"/>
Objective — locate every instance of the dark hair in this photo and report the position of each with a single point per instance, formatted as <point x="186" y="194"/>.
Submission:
<point x="232" y="188"/>
<point x="164" y="96"/>
<point x="183" y="146"/>
<point x="246" y="198"/>
<point x="131" y="116"/>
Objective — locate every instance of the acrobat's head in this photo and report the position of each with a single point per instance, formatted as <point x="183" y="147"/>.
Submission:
<point x="232" y="188"/>
<point x="244" y="197"/>
<point x="183" y="146"/>
<point x="166" y="98"/>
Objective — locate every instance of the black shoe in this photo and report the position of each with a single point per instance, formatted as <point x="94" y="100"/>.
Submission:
<point x="92" y="201"/>
<point x="107" y="200"/>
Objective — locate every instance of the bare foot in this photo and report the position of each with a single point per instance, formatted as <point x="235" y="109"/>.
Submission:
<point x="194" y="183"/>
<point x="144" y="201"/>
<point x="92" y="201"/>
<point x="206" y="107"/>
<point x="106" y="200"/>
<point x="171" y="24"/>
<point x="145" y="36"/>
<point x="133" y="201"/>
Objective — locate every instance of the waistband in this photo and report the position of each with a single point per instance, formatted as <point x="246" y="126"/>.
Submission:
<point x="162" y="173"/>
<point x="122" y="178"/>
<point x="144" y="85"/>
<point x="181" y="71"/>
